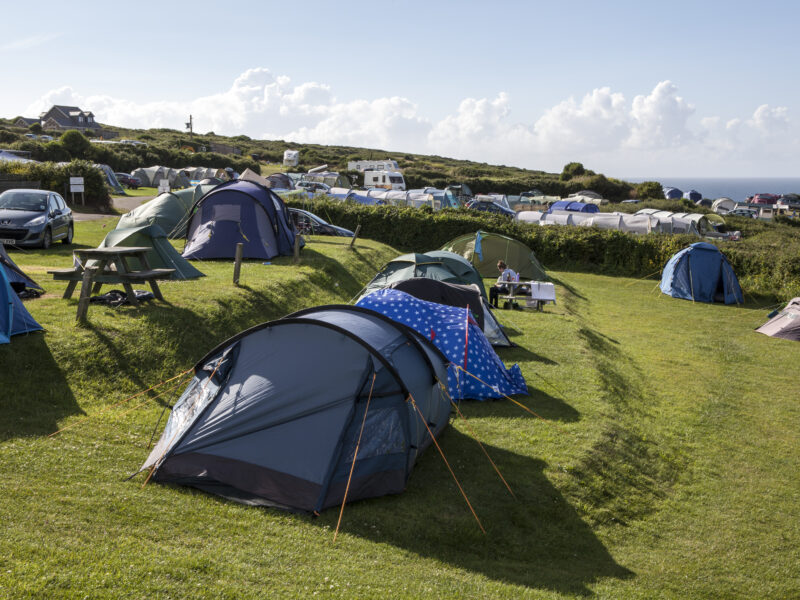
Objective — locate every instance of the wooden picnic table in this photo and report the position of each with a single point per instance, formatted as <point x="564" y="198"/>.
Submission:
<point x="110" y="265"/>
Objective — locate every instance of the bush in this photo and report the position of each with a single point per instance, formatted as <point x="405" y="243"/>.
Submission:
<point x="56" y="178"/>
<point x="767" y="262"/>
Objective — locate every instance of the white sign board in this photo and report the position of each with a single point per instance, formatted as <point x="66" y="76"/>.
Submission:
<point x="74" y="188"/>
<point x="76" y="180"/>
<point x="163" y="186"/>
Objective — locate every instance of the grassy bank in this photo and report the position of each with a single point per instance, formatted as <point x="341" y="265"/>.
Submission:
<point x="667" y="465"/>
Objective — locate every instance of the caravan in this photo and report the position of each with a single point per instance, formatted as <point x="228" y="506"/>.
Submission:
<point x="387" y="180"/>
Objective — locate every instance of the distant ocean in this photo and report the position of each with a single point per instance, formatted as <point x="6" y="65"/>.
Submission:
<point x="736" y="188"/>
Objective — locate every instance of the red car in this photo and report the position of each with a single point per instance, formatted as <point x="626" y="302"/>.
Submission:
<point x="764" y="199"/>
<point x="128" y="181"/>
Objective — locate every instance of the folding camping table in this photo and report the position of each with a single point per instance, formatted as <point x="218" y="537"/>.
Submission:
<point x="537" y="294"/>
<point x="111" y="266"/>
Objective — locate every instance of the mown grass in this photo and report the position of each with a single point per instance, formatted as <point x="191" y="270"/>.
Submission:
<point x="667" y="465"/>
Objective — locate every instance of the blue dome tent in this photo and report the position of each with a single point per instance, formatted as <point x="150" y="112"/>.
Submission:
<point x="239" y="212"/>
<point x="701" y="273"/>
<point x="671" y="193"/>
<point x="458" y="336"/>
<point x="14" y="317"/>
<point x="693" y="195"/>
<point x="272" y="416"/>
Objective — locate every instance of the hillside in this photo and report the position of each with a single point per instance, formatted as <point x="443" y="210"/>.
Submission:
<point x="665" y="463"/>
<point x="173" y="148"/>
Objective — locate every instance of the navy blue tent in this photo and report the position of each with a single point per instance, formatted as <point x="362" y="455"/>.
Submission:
<point x="458" y="336"/>
<point x="14" y="317"/>
<point x="693" y="195"/>
<point x="671" y="193"/>
<point x="574" y="206"/>
<point x="239" y="212"/>
<point x="273" y="415"/>
<point x="703" y="274"/>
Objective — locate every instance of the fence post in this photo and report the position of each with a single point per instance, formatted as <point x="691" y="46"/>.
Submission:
<point x="355" y="235"/>
<point x="237" y="263"/>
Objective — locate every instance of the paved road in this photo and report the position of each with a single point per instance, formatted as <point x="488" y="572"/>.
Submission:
<point x="123" y="205"/>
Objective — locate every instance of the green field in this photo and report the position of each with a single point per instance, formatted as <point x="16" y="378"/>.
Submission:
<point x="666" y="464"/>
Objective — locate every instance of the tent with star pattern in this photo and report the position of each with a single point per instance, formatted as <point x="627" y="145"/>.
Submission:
<point x="475" y="372"/>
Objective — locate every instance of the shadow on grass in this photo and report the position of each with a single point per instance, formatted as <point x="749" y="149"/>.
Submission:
<point x="40" y="396"/>
<point x="538" y="401"/>
<point x="520" y="354"/>
<point x="537" y="540"/>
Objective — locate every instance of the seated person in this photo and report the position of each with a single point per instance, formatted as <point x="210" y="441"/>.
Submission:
<point x="506" y="274"/>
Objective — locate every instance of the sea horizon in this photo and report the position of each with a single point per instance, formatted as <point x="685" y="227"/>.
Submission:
<point x="736" y="188"/>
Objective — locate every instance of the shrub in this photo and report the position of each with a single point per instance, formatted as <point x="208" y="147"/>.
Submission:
<point x="56" y="178"/>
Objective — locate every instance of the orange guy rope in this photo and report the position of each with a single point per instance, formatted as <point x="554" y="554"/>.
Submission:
<point x="355" y="455"/>
<point x="129" y="398"/>
<point x="439" y="448"/>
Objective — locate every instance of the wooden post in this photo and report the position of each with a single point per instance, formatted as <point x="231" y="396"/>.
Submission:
<point x="355" y="235"/>
<point x="86" y="287"/>
<point x="237" y="263"/>
<point x="297" y="249"/>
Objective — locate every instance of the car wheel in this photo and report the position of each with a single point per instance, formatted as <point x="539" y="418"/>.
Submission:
<point x="70" y="233"/>
<point x="47" y="240"/>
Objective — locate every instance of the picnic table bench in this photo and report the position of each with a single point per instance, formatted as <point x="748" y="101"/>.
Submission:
<point x="535" y="293"/>
<point x="109" y="266"/>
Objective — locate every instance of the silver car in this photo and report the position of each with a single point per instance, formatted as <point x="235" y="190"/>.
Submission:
<point x="34" y="218"/>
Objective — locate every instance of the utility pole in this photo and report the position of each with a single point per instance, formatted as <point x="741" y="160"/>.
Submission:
<point x="189" y="127"/>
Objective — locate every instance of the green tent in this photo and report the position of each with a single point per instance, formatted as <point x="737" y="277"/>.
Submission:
<point x="439" y="265"/>
<point x="169" y="210"/>
<point x="484" y="249"/>
<point x="161" y="256"/>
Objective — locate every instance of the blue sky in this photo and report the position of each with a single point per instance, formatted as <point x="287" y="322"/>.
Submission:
<point x="627" y="88"/>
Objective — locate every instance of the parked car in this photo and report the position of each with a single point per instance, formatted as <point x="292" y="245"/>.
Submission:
<point x="128" y="180"/>
<point x="46" y="138"/>
<point x="744" y="212"/>
<point x="34" y="218"/>
<point x="313" y="186"/>
<point x="492" y="207"/>
<point x="308" y="223"/>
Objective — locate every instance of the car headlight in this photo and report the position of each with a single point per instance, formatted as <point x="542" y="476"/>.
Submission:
<point x="36" y="221"/>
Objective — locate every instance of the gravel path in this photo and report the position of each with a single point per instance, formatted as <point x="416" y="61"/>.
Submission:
<point x="122" y="204"/>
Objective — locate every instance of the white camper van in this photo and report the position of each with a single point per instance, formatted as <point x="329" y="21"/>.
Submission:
<point x="291" y="158"/>
<point x="373" y="165"/>
<point x="387" y="180"/>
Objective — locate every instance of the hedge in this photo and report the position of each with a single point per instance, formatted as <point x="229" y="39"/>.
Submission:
<point x="767" y="263"/>
<point x="55" y="177"/>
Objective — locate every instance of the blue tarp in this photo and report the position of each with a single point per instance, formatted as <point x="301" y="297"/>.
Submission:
<point x="451" y="329"/>
<point x="239" y="212"/>
<point x="14" y="317"/>
<point x="703" y="274"/>
<point x="573" y="206"/>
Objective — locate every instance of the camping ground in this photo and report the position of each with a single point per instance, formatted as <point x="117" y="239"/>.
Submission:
<point x="666" y="463"/>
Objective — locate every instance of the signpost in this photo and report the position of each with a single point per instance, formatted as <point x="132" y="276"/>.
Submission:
<point x="163" y="186"/>
<point x="76" y="186"/>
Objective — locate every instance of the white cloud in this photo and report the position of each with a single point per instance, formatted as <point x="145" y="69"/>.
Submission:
<point x="29" y="42"/>
<point x="657" y="132"/>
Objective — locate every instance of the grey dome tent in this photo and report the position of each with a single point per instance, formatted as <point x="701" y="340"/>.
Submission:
<point x="272" y="416"/>
<point x="786" y="324"/>
<point x="437" y="264"/>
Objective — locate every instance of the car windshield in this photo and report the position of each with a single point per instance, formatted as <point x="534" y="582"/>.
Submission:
<point x="23" y="201"/>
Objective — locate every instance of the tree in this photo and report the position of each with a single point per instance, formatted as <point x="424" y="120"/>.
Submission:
<point x="75" y="143"/>
<point x="649" y="189"/>
<point x="571" y="170"/>
<point x="36" y="128"/>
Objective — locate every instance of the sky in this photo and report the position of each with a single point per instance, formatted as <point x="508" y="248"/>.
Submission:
<point x="629" y="89"/>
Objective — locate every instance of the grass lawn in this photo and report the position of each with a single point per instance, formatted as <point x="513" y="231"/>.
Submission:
<point x="138" y="192"/>
<point x="667" y="465"/>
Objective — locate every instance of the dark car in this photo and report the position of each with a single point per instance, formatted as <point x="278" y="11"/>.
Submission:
<point x="310" y="224"/>
<point x="492" y="207"/>
<point x="128" y="180"/>
<point x="34" y="218"/>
